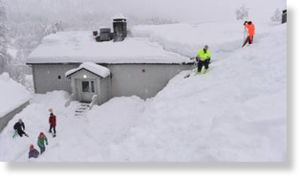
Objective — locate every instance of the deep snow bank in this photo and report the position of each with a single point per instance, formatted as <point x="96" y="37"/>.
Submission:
<point x="78" y="138"/>
<point x="186" y="39"/>
<point x="12" y="94"/>
<point x="236" y="112"/>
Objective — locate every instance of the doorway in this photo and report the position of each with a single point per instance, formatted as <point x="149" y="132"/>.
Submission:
<point x="86" y="90"/>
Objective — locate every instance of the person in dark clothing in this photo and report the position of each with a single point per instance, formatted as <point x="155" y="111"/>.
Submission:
<point x="33" y="153"/>
<point x="52" y="122"/>
<point x="19" y="127"/>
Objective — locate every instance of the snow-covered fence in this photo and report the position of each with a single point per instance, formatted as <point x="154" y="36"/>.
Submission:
<point x="6" y="118"/>
<point x="71" y="98"/>
<point x="93" y="102"/>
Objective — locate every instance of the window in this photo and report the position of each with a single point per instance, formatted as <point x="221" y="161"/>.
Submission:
<point x="85" y="86"/>
<point x="92" y="87"/>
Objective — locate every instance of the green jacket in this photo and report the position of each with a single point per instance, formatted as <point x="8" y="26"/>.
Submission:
<point x="202" y="55"/>
<point x="41" y="141"/>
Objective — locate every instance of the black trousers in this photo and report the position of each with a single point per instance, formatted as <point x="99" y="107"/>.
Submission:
<point x="248" y="40"/>
<point x="203" y="63"/>
<point x="21" y="133"/>
<point x="52" y="127"/>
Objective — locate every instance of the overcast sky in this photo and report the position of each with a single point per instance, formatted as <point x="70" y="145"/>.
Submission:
<point x="182" y="10"/>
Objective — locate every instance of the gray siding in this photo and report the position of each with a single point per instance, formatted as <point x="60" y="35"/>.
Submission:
<point x="128" y="80"/>
<point x="143" y="80"/>
<point x="105" y="90"/>
<point x="46" y="77"/>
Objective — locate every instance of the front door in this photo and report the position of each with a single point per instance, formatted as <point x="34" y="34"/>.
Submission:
<point x="86" y="90"/>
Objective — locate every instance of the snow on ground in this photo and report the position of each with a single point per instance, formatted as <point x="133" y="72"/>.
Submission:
<point x="78" y="138"/>
<point x="235" y="112"/>
<point x="12" y="94"/>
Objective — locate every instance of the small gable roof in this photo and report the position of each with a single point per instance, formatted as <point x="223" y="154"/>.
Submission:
<point x="91" y="67"/>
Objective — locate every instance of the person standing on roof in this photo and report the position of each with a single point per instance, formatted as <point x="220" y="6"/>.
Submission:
<point x="251" y="32"/>
<point x="203" y="59"/>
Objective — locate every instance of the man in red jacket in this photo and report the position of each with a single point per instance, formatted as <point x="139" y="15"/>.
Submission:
<point x="251" y="32"/>
<point x="52" y="122"/>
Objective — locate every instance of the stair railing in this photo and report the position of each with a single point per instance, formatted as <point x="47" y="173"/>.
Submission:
<point x="71" y="98"/>
<point x="93" y="102"/>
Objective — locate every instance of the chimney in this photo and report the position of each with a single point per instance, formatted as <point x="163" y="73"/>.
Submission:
<point x="284" y="16"/>
<point x="120" y="29"/>
<point x="95" y="33"/>
<point x="105" y="34"/>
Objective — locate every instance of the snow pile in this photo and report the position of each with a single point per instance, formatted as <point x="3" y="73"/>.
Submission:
<point x="186" y="39"/>
<point x="78" y="139"/>
<point x="80" y="46"/>
<point x="12" y="94"/>
<point x="235" y="112"/>
<point x="92" y="67"/>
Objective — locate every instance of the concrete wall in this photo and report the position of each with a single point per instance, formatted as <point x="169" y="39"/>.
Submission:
<point x="143" y="80"/>
<point x="46" y="77"/>
<point x="105" y="90"/>
<point x="5" y="119"/>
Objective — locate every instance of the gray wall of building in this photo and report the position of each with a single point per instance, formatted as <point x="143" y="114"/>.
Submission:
<point x="143" y="80"/>
<point x="45" y="77"/>
<point x="105" y="90"/>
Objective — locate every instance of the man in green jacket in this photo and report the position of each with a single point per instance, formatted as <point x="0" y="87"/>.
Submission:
<point x="203" y="58"/>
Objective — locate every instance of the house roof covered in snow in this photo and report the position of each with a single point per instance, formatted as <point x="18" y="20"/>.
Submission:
<point x="80" y="46"/>
<point x="92" y="67"/>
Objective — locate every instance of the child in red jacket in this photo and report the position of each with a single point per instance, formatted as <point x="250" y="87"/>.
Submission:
<point x="52" y="122"/>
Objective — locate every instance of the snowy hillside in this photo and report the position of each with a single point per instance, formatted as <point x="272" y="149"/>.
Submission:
<point x="12" y="94"/>
<point x="235" y="112"/>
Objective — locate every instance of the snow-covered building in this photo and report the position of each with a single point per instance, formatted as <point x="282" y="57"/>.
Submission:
<point x="134" y="66"/>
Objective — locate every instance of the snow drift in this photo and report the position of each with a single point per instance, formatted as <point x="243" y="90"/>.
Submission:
<point x="235" y="112"/>
<point x="12" y="94"/>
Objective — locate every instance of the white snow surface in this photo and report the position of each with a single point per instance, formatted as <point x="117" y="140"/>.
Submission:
<point x="92" y="67"/>
<point x="186" y="38"/>
<point x="12" y="94"/>
<point x="237" y="112"/>
<point x="80" y="46"/>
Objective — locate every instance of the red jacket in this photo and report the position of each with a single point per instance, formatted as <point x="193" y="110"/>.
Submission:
<point x="250" y="29"/>
<point x="52" y="120"/>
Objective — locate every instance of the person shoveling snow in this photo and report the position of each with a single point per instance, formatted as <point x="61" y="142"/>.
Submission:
<point x="250" y="27"/>
<point x="202" y="61"/>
